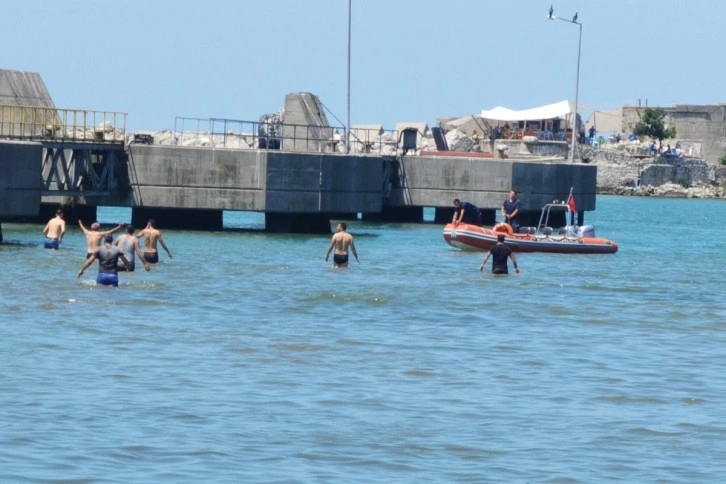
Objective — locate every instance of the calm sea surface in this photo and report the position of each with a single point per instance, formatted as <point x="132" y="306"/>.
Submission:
<point x="246" y="358"/>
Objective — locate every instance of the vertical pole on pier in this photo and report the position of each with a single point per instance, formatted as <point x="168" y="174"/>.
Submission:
<point x="347" y="122"/>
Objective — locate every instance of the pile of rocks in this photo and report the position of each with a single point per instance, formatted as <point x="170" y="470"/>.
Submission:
<point x="622" y="171"/>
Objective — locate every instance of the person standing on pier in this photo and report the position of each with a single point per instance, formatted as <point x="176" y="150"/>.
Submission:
<point x="341" y="242"/>
<point x="54" y="230"/>
<point x="151" y="236"/>
<point x="94" y="236"/>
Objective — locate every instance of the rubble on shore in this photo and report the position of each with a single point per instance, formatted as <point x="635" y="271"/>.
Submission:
<point x="620" y="171"/>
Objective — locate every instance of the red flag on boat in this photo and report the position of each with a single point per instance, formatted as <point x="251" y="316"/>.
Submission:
<point x="571" y="203"/>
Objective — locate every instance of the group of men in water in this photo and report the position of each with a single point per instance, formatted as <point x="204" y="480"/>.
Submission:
<point x="112" y="256"/>
<point x="121" y="255"/>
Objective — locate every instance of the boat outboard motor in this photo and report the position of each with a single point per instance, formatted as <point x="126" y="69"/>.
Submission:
<point x="586" y="231"/>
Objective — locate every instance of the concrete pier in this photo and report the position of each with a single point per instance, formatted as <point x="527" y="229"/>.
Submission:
<point x="190" y="187"/>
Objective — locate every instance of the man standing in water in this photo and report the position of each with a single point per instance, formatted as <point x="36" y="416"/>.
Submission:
<point x="500" y="251"/>
<point x="129" y="245"/>
<point x="341" y="242"/>
<point x="94" y="236"/>
<point x="151" y="236"/>
<point x="54" y="230"/>
<point x="108" y="257"/>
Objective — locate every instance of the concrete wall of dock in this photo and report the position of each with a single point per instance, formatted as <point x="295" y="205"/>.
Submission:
<point x="431" y="181"/>
<point x="20" y="176"/>
<point x="253" y="180"/>
<point x="189" y="187"/>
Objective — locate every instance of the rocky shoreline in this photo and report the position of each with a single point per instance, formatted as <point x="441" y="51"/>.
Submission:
<point x="622" y="172"/>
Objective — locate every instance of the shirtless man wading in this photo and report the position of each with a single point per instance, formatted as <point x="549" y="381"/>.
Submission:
<point x="94" y="236"/>
<point x="341" y="241"/>
<point x="151" y="236"/>
<point x="54" y="230"/>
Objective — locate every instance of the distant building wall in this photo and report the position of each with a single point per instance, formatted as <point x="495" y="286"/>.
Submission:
<point x="704" y="126"/>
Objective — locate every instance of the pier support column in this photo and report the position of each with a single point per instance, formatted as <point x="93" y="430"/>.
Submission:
<point x="71" y="213"/>
<point x="178" y="218"/>
<point x="297" y="223"/>
<point x="443" y="215"/>
<point x="396" y="214"/>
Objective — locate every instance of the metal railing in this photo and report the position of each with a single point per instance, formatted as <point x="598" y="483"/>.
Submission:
<point x="47" y="123"/>
<point x="232" y="133"/>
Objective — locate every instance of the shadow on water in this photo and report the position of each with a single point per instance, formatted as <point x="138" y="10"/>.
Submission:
<point x="15" y="243"/>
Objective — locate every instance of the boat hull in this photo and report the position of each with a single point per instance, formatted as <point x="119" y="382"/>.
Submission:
<point x="473" y="237"/>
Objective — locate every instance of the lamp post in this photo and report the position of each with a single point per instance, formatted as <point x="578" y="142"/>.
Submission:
<point x="577" y="81"/>
<point x="347" y="122"/>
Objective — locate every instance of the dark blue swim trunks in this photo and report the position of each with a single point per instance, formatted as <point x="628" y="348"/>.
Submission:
<point x="51" y="243"/>
<point x="151" y="257"/>
<point x="107" y="279"/>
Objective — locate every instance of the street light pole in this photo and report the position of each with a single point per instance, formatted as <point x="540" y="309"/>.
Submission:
<point x="347" y="122"/>
<point x="577" y="80"/>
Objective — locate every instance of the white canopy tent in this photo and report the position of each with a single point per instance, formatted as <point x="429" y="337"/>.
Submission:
<point x="549" y="111"/>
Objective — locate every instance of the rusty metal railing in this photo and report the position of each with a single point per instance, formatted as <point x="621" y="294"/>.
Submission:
<point x="40" y="123"/>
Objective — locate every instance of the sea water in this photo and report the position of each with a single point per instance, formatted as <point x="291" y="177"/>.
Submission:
<point x="247" y="358"/>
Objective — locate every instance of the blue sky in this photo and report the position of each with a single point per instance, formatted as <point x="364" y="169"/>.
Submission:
<point x="411" y="60"/>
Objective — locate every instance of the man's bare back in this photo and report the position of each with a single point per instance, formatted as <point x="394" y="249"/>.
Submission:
<point x="55" y="228"/>
<point x="341" y="242"/>
<point x="152" y="237"/>
<point x="94" y="235"/>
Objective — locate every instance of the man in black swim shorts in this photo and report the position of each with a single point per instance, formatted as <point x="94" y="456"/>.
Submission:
<point x="341" y="242"/>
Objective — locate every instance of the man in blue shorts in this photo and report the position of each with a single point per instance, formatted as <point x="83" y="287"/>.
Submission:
<point x="54" y="230"/>
<point x="500" y="252"/>
<point x="108" y="256"/>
